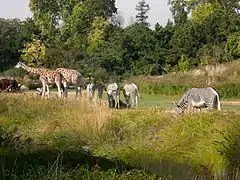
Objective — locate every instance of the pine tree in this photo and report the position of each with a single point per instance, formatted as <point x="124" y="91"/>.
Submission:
<point x="142" y="9"/>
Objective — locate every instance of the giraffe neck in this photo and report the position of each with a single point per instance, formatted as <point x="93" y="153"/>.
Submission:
<point x="31" y="70"/>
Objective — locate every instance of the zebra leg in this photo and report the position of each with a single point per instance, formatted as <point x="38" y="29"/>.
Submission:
<point x="117" y="102"/>
<point x="100" y="93"/>
<point x="126" y="99"/>
<point x="136" y="99"/>
<point x="133" y="102"/>
<point x="109" y="101"/>
<point x="78" y="91"/>
<point x="189" y="108"/>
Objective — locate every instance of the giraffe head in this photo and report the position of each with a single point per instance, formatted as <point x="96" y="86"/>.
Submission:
<point x="20" y="64"/>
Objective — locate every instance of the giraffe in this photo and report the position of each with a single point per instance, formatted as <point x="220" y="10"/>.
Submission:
<point x="72" y="77"/>
<point x="47" y="76"/>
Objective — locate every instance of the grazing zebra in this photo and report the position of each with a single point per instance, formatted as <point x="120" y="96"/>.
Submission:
<point x="92" y="87"/>
<point x="199" y="98"/>
<point x="131" y="91"/>
<point x="113" y="93"/>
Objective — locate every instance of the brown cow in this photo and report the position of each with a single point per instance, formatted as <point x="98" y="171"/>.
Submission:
<point x="9" y="85"/>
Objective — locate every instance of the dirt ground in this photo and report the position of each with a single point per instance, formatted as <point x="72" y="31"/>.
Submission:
<point x="233" y="103"/>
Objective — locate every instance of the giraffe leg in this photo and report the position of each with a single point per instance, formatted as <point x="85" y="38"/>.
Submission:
<point x="78" y="91"/>
<point x="59" y="90"/>
<point x="65" y="91"/>
<point x="48" y="92"/>
<point x="43" y="88"/>
<point x="43" y="80"/>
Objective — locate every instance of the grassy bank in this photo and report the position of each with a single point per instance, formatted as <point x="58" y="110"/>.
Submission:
<point x="77" y="140"/>
<point x="224" y="78"/>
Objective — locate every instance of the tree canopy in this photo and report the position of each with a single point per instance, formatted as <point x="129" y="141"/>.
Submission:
<point x="89" y="36"/>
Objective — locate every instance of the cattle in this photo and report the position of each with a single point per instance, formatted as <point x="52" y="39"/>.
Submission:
<point x="9" y="85"/>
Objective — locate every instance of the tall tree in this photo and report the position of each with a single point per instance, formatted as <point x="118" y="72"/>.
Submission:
<point x="117" y="19"/>
<point x="10" y="29"/>
<point x="202" y="11"/>
<point x="179" y="10"/>
<point x="74" y="17"/>
<point x="142" y="9"/>
<point x="97" y="33"/>
<point x="34" y="52"/>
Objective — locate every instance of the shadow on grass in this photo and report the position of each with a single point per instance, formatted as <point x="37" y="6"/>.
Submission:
<point x="17" y="157"/>
<point x="18" y="154"/>
<point x="48" y="158"/>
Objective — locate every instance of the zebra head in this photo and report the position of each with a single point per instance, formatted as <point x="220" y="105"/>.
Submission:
<point x="181" y="106"/>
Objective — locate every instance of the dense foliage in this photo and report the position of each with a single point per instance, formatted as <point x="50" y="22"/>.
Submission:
<point x="88" y="36"/>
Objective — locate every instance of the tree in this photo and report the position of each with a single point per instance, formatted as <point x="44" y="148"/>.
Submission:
<point x="232" y="47"/>
<point x="34" y="52"/>
<point x="179" y="11"/>
<point x="141" y="16"/>
<point x="229" y="5"/>
<point x="98" y="32"/>
<point x="75" y="16"/>
<point x="29" y="30"/>
<point x="202" y="11"/>
<point x="10" y="30"/>
<point x="117" y="20"/>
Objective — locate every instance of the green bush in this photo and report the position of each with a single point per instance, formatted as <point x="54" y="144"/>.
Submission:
<point x="229" y="90"/>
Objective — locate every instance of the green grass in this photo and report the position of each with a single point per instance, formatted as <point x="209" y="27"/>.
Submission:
<point x="164" y="101"/>
<point x="47" y="139"/>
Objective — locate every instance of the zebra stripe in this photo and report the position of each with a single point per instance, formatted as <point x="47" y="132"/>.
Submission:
<point x="208" y="96"/>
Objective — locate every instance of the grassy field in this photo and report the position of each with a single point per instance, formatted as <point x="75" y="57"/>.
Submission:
<point x="56" y="139"/>
<point x="163" y="101"/>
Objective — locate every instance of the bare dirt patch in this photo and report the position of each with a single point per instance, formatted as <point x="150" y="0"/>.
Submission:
<point x="233" y="103"/>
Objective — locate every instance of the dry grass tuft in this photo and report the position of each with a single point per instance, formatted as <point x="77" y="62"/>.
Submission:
<point x="46" y="119"/>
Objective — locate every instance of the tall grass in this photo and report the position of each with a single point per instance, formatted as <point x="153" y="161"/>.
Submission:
<point x="48" y="120"/>
<point x="205" y="145"/>
<point x="56" y="139"/>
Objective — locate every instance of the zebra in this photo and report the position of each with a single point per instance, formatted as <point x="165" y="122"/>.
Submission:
<point x="131" y="91"/>
<point x="199" y="98"/>
<point x="92" y="87"/>
<point x="113" y="93"/>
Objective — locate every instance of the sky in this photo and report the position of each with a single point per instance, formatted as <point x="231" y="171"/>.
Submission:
<point x="159" y="11"/>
